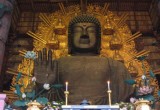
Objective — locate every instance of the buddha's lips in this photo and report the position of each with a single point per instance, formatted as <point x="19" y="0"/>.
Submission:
<point x="84" y="41"/>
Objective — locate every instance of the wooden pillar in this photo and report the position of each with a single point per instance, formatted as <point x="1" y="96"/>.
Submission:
<point x="6" y="7"/>
<point x="159" y="8"/>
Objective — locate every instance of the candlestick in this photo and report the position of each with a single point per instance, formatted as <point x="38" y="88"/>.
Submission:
<point x="66" y="97"/>
<point x="66" y="86"/>
<point x="109" y="97"/>
<point x="108" y="85"/>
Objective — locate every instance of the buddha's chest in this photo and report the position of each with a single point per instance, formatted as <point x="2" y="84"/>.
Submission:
<point x="84" y="69"/>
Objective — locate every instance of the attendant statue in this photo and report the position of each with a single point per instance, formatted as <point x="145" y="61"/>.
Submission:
<point x="86" y="72"/>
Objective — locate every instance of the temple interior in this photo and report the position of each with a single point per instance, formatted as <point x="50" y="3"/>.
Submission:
<point x="75" y="52"/>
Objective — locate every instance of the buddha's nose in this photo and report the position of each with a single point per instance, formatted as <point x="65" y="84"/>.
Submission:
<point x="85" y="32"/>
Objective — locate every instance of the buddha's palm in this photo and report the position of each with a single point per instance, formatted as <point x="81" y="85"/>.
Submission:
<point x="44" y="69"/>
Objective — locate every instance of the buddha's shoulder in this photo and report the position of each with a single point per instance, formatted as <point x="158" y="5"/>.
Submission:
<point x="81" y="57"/>
<point x="95" y="58"/>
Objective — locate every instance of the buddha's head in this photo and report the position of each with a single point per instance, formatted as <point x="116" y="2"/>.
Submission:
<point x="84" y="35"/>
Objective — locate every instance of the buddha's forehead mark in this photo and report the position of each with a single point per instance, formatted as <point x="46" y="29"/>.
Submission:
<point x="84" y="25"/>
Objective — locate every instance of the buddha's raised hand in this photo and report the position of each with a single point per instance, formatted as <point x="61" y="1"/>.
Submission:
<point x="45" y="69"/>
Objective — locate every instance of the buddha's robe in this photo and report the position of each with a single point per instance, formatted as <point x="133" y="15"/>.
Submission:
<point x="88" y="76"/>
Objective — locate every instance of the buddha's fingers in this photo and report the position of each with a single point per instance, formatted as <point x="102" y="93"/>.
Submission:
<point x="44" y="56"/>
<point x="50" y="59"/>
<point x="39" y="57"/>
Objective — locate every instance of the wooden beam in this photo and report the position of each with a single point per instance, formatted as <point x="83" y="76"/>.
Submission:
<point x="55" y="1"/>
<point x="25" y="3"/>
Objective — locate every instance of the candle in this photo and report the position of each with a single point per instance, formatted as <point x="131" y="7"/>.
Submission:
<point x="108" y="82"/>
<point x="66" y="86"/>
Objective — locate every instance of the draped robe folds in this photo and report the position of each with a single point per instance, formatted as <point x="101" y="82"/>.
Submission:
<point x="88" y="76"/>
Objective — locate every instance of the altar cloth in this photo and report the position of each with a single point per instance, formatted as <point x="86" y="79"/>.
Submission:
<point x="90" y="107"/>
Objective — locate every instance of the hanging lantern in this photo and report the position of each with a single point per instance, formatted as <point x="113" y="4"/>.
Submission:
<point x="115" y="43"/>
<point x="132" y="70"/>
<point x="108" y="29"/>
<point x="118" y="57"/>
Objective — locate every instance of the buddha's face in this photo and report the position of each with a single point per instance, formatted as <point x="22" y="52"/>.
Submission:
<point x="84" y="35"/>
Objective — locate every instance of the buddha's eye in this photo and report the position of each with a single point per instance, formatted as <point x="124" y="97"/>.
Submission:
<point x="78" y="30"/>
<point x="91" y="30"/>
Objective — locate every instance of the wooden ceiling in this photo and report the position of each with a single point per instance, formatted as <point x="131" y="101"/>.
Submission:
<point x="115" y="5"/>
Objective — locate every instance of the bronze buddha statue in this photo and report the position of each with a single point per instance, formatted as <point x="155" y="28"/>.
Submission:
<point x="86" y="72"/>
